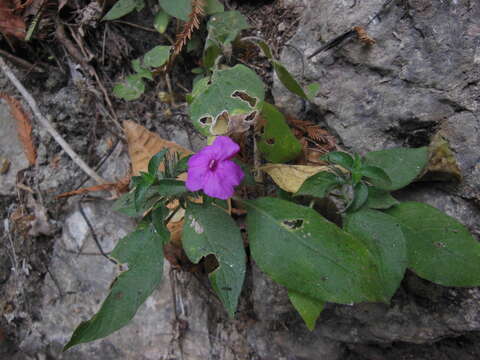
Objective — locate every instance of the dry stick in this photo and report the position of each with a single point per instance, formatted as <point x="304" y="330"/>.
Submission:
<point x="48" y="125"/>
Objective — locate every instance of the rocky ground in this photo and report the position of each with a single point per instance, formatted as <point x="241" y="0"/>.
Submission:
<point x="420" y="77"/>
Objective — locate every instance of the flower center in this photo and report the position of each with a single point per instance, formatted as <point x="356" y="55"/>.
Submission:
<point x="212" y="165"/>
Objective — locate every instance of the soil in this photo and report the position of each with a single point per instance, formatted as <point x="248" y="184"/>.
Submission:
<point x="74" y="101"/>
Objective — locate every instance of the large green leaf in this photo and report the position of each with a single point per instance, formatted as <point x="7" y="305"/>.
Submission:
<point x="309" y="255"/>
<point x="277" y="142"/>
<point x="177" y="8"/>
<point x="223" y="94"/>
<point x="122" y="8"/>
<point x="210" y="230"/>
<point x="402" y="165"/>
<point x="142" y="252"/>
<point x="308" y="308"/>
<point x="440" y="249"/>
<point x="382" y="235"/>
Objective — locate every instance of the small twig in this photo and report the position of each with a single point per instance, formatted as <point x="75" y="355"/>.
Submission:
<point x="94" y="235"/>
<point x="47" y="124"/>
<point x="21" y="62"/>
<point x="165" y="35"/>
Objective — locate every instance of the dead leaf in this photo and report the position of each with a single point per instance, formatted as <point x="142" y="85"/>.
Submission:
<point x="24" y="127"/>
<point x="121" y="187"/>
<point x="11" y="24"/>
<point x="40" y="224"/>
<point x="442" y="164"/>
<point x="144" y="144"/>
<point x="291" y="177"/>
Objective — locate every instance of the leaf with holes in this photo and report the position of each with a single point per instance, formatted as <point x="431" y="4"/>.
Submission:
<point x="277" y="142"/>
<point x="308" y="308"/>
<point x="210" y="230"/>
<point x="383" y="236"/>
<point x="401" y="165"/>
<point x="234" y="91"/>
<point x="122" y="8"/>
<point x="301" y="250"/>
<point x="440" y="249"/>
<point x="142" y="252"/>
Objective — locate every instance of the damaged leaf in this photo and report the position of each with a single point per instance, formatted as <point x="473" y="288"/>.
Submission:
<point x="210" y="230"/>
<point x="277" y="142"/>
<point x="442" y="164"/>
<point x="328" y="264"/>
<point x="234" y="91"/>
<point x="142" y="251"/>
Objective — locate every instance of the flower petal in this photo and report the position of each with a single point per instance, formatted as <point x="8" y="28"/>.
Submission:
<point x="230" y="173"/>
<point x="215" y="187"/>
<point x="200" y="159"/>
<point x="225" y="148"/>
<point x="196" y="177"/>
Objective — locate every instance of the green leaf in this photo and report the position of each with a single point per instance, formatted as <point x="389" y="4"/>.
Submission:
<point x="319" y="185"/>
<point x="141" y="72"/>
<point x="222" y="95"/>
<point x="380" y="199"/>
<point x="155" y="162"/>
<point x="177" y="8"/>
<point x="210" y="230"/>
<point x="309" y="255"/>
<point x="277" y="142"/>
<point x="160" y="23"/>
<point x="360" y="196"/>
<point x="377" y="176"/>
<point x="312" y="90"/>
<point x="225" y="27"/>
<point x="126" y="203"/>
<point x="340" y="158"/>
<point x="440" y="249"/>
<point x="213" y="7"/>
<point x="122" y="8"/>
<point x="131" y="89"/>
<point x="157" y="56"/>
<point x="142" y="251"/>
<point x="141" y="191"/>
<point x="402" y="165"/>
<point x="265" y="48"/>
<point x="158" y="221"/>
<point x="383" y="236"/>
<point x="288" y="80"/>
<point x="308" y="308"/>
<point x="169" y="188"/>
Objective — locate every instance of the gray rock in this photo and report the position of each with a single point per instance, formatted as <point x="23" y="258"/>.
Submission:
<point x="11" y="151"/>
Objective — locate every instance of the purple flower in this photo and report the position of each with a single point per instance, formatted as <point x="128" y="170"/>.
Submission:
<point x="212" y="170"/>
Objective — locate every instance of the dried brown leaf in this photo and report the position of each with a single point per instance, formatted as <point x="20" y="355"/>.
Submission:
<point x="24" y="127"/>
<point x="144" y="144"/>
